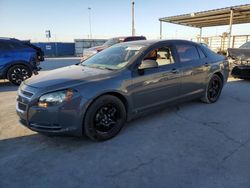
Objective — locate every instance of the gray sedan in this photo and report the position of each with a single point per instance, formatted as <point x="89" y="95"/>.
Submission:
<point x="122" y="82"/>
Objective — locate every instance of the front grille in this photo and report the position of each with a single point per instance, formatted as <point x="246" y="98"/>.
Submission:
<point x="27" y="93"/>
<point x="23" y="99"/>
<point x="22" y="106"/>
<point x="243" y="71"/>
<point x="23" y="121"/>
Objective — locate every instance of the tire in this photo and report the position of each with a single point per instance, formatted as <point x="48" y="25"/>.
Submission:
<point x="18" y="73"/>
<point x="104" y="118"/>
<point x="213" y="90"/>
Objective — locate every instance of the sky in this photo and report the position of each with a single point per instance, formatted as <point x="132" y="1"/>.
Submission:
<point x="69" y="19"/>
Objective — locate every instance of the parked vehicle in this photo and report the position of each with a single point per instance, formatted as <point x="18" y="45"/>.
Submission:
<point x="18" y="60"/>
<point x="92" y="51"/>
<point x="122" y="82"/>
<point x="241" y="57"/>
<point x="242" y="53"/>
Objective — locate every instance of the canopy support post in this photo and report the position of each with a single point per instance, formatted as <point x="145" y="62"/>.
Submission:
<point x="230" y="27"/>
<point x="200" y="34"/>
<point x="160" y="29"/>
<point x="133" y="18"/>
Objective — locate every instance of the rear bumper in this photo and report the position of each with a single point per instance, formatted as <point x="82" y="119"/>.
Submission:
<point x="40" y="58"/>
<point x="35" y="67"/>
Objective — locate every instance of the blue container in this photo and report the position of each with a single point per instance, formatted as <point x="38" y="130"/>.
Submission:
<point x="56" y="49"/>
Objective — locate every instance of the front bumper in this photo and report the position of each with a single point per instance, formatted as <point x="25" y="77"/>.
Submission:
<point x="61" y="119"/>
<point x="241" y="71"/>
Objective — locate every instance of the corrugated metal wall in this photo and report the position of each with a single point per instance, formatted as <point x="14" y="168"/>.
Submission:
<point x="55" y="49"/>
<point x="219" y="43"/>
<point x="81" y="44"/>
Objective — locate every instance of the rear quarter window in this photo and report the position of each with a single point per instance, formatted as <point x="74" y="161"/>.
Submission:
<point x="201" y="53"/>
<point x="187" y="52"/>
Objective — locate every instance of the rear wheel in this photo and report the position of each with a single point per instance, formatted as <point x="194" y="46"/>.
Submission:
<point x="213" y="90"/>
<point x="104" y="118"/>
<point x="18" y="73"/>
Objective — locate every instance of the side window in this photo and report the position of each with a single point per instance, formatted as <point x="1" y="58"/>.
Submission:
<point x="201" y="53"/>
<point x="187" y="52"/>
<point x="15" y="45"/>
<point x="128" y="39"/>
<point x="163" y="56"/>
<point x="133" y="39"/>
<point x="1" y="46"/>
<point x="4" y="46"/>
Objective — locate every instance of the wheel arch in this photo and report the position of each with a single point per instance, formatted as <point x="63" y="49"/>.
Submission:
<point x="117" y="94"/>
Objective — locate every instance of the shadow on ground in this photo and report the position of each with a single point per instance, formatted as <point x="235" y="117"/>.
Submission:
<point x="6" y="86"/>
<point x="189" y="145"/>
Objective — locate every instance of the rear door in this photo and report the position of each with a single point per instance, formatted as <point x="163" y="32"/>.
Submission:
<point x="194" y="66"/>
<point x="12" y="51"/>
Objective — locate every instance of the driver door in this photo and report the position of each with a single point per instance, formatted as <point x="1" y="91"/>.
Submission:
<point x="158" y="85"/>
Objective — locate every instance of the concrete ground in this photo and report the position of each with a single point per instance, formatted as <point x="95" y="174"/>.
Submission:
<point x="189" y="145"/>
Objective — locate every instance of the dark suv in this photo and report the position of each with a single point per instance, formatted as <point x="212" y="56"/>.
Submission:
<point x="92" y="51"/>
<point x="18" y="60"/>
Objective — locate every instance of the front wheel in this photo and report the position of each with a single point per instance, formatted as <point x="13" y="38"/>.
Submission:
<point x="105" y="118"/>
<point x="213" y="90"/>
<point x="18" y="73"/>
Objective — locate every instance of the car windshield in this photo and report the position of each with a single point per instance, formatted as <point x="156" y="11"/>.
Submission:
<point x="246" y="45"/>
<point x="111" y="42"/>
<point x="113" y="58"/>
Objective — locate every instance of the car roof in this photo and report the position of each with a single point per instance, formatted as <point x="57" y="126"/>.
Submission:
<point x="124" y="37"/>
<point x="8" y="39"/>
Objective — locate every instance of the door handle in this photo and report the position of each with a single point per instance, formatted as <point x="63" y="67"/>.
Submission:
<point x="174" y="71"/>
<point x="207" y="65"/>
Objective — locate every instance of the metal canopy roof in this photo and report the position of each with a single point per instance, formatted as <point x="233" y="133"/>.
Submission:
<point x="216" y="17"/>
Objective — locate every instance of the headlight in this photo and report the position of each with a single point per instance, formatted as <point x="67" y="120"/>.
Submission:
<point x="55" y="98"/>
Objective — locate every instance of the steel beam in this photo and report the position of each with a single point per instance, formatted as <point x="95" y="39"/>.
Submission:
<point x="200" y="34"/>
<point x="230" y="27"/>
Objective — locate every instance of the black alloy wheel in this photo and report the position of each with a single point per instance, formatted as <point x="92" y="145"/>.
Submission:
<point x="18" y="73"/>
<point x="214" y="89"/>
<point x="105" y="118"/>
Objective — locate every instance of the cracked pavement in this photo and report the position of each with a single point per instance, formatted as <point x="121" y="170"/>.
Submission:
<point x="189" y="145"/>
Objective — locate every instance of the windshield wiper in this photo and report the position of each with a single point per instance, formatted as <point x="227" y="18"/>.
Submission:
<point x="107" y="68"/>
<point x="101" y="67"/>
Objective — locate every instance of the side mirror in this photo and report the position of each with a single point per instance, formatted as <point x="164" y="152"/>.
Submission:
<point x="146" y="64"/>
